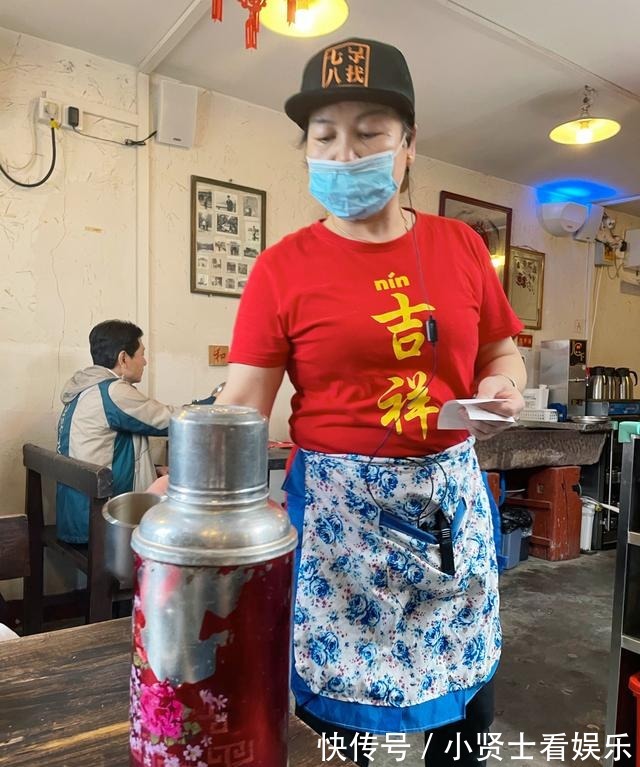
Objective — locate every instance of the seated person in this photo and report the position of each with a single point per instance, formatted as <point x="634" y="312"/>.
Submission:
<point x="107" y="421"/>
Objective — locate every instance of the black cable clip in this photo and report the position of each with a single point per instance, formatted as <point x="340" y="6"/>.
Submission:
<point x="431" y="329"/>
<point x="446" y="544"/>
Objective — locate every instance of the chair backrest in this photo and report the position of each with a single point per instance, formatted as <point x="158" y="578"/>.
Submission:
<point x="14" y="559"/>
<point x="14" y="547"/>
<point x="94" y="481"/>
<point x="90" y="478"/>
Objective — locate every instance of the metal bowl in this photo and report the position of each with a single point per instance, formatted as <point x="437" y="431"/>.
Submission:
<point x="123" y="514"/>
<point x="589" y="418"/>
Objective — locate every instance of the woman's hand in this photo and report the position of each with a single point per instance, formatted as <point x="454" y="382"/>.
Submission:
<point x="159" y="487"/>
<point x="495" y="387"/>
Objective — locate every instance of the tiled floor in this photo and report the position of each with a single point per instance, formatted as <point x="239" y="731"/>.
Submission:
<point x="556" y="619"/>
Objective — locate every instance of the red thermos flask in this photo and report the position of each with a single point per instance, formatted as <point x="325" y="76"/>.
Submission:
<point x="212" y="604"/>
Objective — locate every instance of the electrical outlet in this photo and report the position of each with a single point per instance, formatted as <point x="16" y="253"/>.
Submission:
<point x="48" y="110"/>
<point x="65" y="118"/>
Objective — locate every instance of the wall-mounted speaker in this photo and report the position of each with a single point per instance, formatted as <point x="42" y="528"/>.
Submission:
<point x="588" y="231"/>
<point x="177" y="106"/>
<point x="562" y="218"/>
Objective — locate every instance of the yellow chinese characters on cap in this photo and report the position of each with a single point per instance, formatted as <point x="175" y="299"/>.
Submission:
<point x="346" y="64"/>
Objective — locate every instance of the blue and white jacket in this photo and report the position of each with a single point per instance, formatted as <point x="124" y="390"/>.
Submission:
<point x="107" y="421"/>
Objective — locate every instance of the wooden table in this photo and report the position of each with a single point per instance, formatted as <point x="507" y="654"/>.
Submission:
<point x="64" y="697"/>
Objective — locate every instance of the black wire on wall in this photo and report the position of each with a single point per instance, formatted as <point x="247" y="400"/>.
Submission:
<point x="49" y="172"/>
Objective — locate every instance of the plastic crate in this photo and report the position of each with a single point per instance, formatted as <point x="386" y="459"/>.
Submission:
<point x="546" y="414"/>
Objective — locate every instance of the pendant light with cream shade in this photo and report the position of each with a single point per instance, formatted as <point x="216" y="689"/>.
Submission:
<point x="312" y="17"/>
<point x="585" y="129"/>
<point x="295" y="18"/>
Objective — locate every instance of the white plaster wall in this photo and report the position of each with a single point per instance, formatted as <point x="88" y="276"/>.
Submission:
<point x="67" y="248"/>
<point x="246" y="145"/>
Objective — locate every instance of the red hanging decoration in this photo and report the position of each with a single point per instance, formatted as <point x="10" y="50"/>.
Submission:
<point x="292" y="7"/>
<point x="252" y="25"/>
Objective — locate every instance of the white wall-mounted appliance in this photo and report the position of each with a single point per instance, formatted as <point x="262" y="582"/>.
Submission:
<point x="562" y="218"/>
<point x="589" y="230"/>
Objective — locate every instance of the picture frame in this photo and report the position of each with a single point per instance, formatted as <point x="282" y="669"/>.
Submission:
<point x="227" y="235"/>
<point x="492" y="222"/>
<point x="526" y="285"/>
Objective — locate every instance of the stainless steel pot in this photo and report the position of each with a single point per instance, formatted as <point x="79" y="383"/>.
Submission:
<point x="122" y="514"/>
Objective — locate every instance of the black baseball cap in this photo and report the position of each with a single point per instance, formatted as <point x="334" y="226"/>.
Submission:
<point x="354" y="70"/>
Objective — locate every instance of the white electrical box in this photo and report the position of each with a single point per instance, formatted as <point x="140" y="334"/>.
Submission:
<point x="48" y="110"/>
<point x="602" y="255"/>
<point x="632" y="253"/>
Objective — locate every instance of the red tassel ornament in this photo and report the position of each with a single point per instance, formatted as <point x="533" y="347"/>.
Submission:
<point x="252" y="25"/>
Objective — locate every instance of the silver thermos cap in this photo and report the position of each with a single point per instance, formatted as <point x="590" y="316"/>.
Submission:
<point x="216" y="511"/>
<point x="218" y="455"/>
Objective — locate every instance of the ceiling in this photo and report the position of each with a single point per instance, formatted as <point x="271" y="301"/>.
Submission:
<point x="492" y="77"/>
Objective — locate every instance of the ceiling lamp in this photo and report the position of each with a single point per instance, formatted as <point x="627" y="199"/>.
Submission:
<point x="297" y="18"/>
<point x="312" y="18"/>
<point x="586" y="129"/>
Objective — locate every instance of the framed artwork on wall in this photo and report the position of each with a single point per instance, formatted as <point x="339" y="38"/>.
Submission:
<point x="227" y="234"/>
<point x="526" y="286"/>
<point x="492" y="222"/>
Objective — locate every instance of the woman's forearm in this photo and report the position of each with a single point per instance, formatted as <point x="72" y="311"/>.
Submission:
<point x="501" y="359"/>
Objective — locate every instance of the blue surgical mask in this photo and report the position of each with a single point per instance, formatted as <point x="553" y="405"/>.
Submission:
<point x="356" y="189"/>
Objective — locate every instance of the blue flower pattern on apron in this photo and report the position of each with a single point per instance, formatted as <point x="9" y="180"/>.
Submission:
<point x="376" y="620"/>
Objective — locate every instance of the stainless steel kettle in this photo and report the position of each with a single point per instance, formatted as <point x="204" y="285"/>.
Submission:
<point x="598" y="383"/>
<point x="613" y="383"/>
<point x="628" y="379"/>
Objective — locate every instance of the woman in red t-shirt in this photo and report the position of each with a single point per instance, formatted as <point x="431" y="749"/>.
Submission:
<point x="379" y="315"/>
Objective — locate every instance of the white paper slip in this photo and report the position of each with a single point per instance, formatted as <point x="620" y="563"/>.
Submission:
<point x="450" y="418"/>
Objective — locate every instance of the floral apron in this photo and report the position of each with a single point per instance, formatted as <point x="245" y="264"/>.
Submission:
<point x="386" y="638"/>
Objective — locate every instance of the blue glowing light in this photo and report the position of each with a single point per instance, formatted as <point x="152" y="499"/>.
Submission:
<point x="575" y="190"/>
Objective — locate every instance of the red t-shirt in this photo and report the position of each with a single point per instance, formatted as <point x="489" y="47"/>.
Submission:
<point x="347" y="320"/>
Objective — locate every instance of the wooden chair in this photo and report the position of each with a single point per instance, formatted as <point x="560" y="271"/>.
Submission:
<point x="96" y="482"/>
<point x="14" y="551"/>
